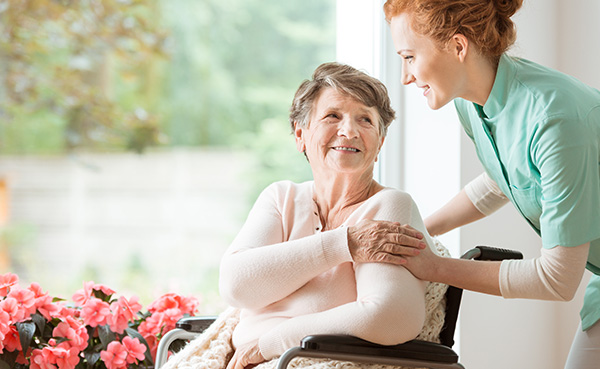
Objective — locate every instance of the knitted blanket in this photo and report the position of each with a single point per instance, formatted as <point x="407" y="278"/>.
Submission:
<point x="212" y="349"/>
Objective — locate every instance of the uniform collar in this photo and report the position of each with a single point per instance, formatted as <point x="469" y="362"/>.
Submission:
<point x="498" y="98"/>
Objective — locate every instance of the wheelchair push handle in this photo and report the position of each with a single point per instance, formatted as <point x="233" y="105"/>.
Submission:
<point x="491" y="254"/>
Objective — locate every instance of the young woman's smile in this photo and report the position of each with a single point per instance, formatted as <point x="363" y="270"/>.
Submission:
<point x="431" y="68"/>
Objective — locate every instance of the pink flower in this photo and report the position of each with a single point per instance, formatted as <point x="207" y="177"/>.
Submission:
<point x="67" y="311"/>
<point x="65" y="358"/>
<point x="81" y="297"/>
<point x="25" y="303"/>
<point x="115" y="356"/>
<point x="11" y="340"/>
<point x="11" y="307"/>
<point x="43" y="302"/>
<point x="166" y="311"/>
<point x="6" y="281"/>
<point x="152" y="325"/>
<point x="135" y="350"/>
<point x="168" y="301"/>
<point x="42" y="359"/>
<point x="152" y="342"/>
<point x="76" y="335"/>
<point x="123" y="311"/>
<point x="5" y="327"/>
<point x="95" y="312"/>
<point x="46" y="307"/>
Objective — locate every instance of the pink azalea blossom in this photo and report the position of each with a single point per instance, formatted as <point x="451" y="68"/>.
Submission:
<point x="43" y="302"/>
<point x="152" y="342"/>
<point x="168" y="301"/>
<point x="135" y="350"/>
<point x="25" y="303"/>
<point x="21" y="357"/>
<point x="95" y="312"/>
<point x="82" y="296"/>
<point x="115" y="356"/>
<point x="46" y="307"/>
<point x="42" y="359"/>
<point x="10" y="306"/>
<point x="152" y="326"/>
<point x="67" y="311"/>
<point x="4" y="327"/>
<point x="37" y="290"/>
<point x="6" y="281"/>
<point x="64" y="358"/>
<point x="11" y="340"/>
<point x="77" y="338"/>
<point x="123" y="312"/>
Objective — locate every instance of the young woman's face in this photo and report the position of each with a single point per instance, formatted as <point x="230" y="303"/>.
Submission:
<point x="342" y="135"/>
<point x="437" y="71"/>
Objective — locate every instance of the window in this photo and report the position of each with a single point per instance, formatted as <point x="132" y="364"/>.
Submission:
<point x="138" y="134"/>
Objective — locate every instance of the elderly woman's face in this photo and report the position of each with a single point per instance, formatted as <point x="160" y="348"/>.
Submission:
<point x="342" y="135"/>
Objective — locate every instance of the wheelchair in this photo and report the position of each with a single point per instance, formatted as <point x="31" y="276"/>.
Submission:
<point x="414" y="353"/>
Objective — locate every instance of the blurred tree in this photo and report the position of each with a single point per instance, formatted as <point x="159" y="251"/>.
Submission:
<point x="237" y="63"/>
<point x="93" y="73"/>
<point x="58" y="60"/>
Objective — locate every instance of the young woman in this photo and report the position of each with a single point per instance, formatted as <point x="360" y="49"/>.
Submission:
<point x="537" y="134"/>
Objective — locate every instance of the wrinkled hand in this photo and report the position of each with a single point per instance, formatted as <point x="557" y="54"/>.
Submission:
<point x="382" y="241"/>
<point x="245" y="356"/>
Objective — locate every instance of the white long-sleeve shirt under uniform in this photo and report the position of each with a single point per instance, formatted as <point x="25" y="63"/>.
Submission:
<point x="291" y="279"/>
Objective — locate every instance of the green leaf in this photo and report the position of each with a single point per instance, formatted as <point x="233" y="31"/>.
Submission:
<point x="135" y="334"/>
<point x="26" y="331"/>
<point x="4" y="364"/>
<point x="91" y="357"/>
<point x="40" y="322"/>
<point x="106" y="335"/>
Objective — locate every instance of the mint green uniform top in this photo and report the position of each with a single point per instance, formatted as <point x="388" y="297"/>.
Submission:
<point x="538" y="137"/>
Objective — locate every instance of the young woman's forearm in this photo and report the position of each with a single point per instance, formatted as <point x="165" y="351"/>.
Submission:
<point x="477" y="276"/>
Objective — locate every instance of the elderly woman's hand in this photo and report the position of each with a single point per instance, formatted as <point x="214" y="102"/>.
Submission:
<point x="382" y="241"/>
<point x="248" y="355"/>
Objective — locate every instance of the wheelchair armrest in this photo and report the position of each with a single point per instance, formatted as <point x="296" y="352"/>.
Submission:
<point x="414" y="350"/>
<point x="185" y="329"/>
<point x="196" y="324"/>
<point x="491" y="254"/>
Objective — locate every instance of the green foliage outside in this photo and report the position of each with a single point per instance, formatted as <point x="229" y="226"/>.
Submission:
<point x="59" y="61"/>
<point x="133" y="75"/>
<point x="127" y="75"/>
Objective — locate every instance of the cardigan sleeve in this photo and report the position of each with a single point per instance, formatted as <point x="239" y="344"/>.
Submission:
<point x="261" y="267"/>
<point x="389" y="309"/>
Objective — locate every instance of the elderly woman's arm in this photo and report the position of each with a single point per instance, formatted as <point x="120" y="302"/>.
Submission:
<point x="389" y="309"/>
<point x="261" y="267"/>
<point x="390" y="303"/>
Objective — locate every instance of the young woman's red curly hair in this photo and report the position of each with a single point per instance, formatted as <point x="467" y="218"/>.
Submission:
<point x="485" y="23"/>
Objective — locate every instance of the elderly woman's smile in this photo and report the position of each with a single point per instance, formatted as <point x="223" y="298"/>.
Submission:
<point x="343" y="134"/>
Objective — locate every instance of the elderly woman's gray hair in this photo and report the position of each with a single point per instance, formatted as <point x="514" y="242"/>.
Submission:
<point x="346" y="80"/>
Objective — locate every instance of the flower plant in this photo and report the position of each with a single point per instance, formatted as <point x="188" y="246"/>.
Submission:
<point x="96" y="331"/>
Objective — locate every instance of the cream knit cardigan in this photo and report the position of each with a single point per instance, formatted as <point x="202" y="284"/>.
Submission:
<point x="212" y="349"/>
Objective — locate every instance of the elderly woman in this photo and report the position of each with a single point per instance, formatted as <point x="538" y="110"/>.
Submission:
<point x="293" y="267"/>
